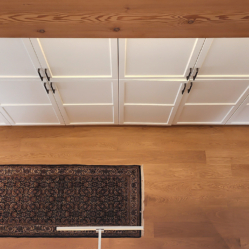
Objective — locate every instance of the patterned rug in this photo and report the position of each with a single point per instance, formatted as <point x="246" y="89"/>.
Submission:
<point x="34" y="199"/>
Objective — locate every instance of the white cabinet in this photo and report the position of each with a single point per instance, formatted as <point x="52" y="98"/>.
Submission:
<point x="224" y="58"/>
<point x="87" y="101"/>
<point x="149" y="102"/>
<point x="211" y="101"/>
<point x="153" y="74"/>
<point x="157" y="58"/>
<point x="23" y="96"/>
<point x="27" y="103"/>
<point x="241" y="116"/>
<point x="83" y="77"/>
<point x="17" y="59"/>
<point x="219" y="81"/>
<point x="77" y="58"/>
<point x="155" y="81"/>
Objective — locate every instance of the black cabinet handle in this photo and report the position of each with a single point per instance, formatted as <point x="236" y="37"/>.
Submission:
<point x="197" y="70"/>
<point x="191" y="84"/>
<point x="40" y="74"/>
<point x="45" y="86"/>
<point x="51" y="84"/>
<point x="190" y="71"/>
<point x="47" y="74"/>
<point x="183" y="90"/>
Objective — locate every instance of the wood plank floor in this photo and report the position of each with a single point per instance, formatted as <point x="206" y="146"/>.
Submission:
<point x="196" y="180"/>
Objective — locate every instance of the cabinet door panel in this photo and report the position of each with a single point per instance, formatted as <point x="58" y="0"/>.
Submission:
<point x="241" y="116"/>
<point x="90" y="114"/>
<point x="87" y="101"/>
<point x="32" y="114"/>
<point x="26" y="102"/>
<point x="217" y="91"/>
<point x="148" y="102"/>
<point x="153" y="58"/>
<point x="85" y="92"/>
<point x="147" y="114"/>
<point x="211" y="101"/>
<point x="156" y="92"/>
<point x="204" y="114"/>
<point x="22" y="92"/>
<point x="23" y="98"/>
<point x="80" y="58"/>
<point x="15" y="59"/>
<point x="224" y="57"/>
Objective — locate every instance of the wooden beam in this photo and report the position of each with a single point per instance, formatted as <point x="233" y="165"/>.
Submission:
<point x="124" y="18"/>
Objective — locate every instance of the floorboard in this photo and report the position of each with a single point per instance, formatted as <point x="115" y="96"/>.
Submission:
<point x="196" y="180"/>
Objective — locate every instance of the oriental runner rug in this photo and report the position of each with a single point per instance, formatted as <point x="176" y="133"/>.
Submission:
<point x="35" y="199"/>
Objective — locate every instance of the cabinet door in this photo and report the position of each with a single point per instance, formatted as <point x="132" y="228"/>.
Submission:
<point x="23" y="97"/>
<point x="169" y="58"/>
<point x="87" y="101"/>
<point x="241" y="116"/>
<point x="84" y="74"/>
<point x="17" y="59"/>
<point x="77" y="58"/>
<point x="224" y="58"/>
<point x="26" y="102"/>
<point x="149" y="102"/>
<point x="211" y="101"/>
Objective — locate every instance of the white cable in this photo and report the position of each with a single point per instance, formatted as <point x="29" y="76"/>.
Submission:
<point x="99" y="237"/>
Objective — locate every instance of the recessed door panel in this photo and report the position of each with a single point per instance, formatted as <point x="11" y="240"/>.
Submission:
<point x="90" y="114"/>
<point x="149" y="101"/>
<point x="32" y="114"/>
<point x="147" y="114"/>
<point x="150" y="92"/>
<point x="87" y="101"/>
<point x="211" y="101"/>
<point x="224" y="57"/>
<point x="85" y="92"/>
<point x="26" y="102"/>
<point x="27" y="91"/>
<point x="78" y="57"/>
<point x="15" y="60"/>
<point x="217" y="91"/>
<point x="159" y="57"/>
<point x="203" y="114"/>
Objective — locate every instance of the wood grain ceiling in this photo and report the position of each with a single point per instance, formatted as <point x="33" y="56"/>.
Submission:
<point x="124" y="18"/>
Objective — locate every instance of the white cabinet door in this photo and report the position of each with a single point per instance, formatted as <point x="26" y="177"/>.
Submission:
<point x="241" y="116"/>
<point x="211" y="101"/>
<point x="23" y="97"/>
<point x="84" y="73"/>
<point x="84" y="102"/>
<point x="77" y="58"/>
<point x="17" y="59"/>
<point x="149" y="102"/>
<point x="26" y="102"/>
<point x="169" y="58"/>
<point x="224" y="58"/>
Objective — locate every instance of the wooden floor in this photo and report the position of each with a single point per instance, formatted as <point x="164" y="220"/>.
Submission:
<point x="196" y="180"/>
